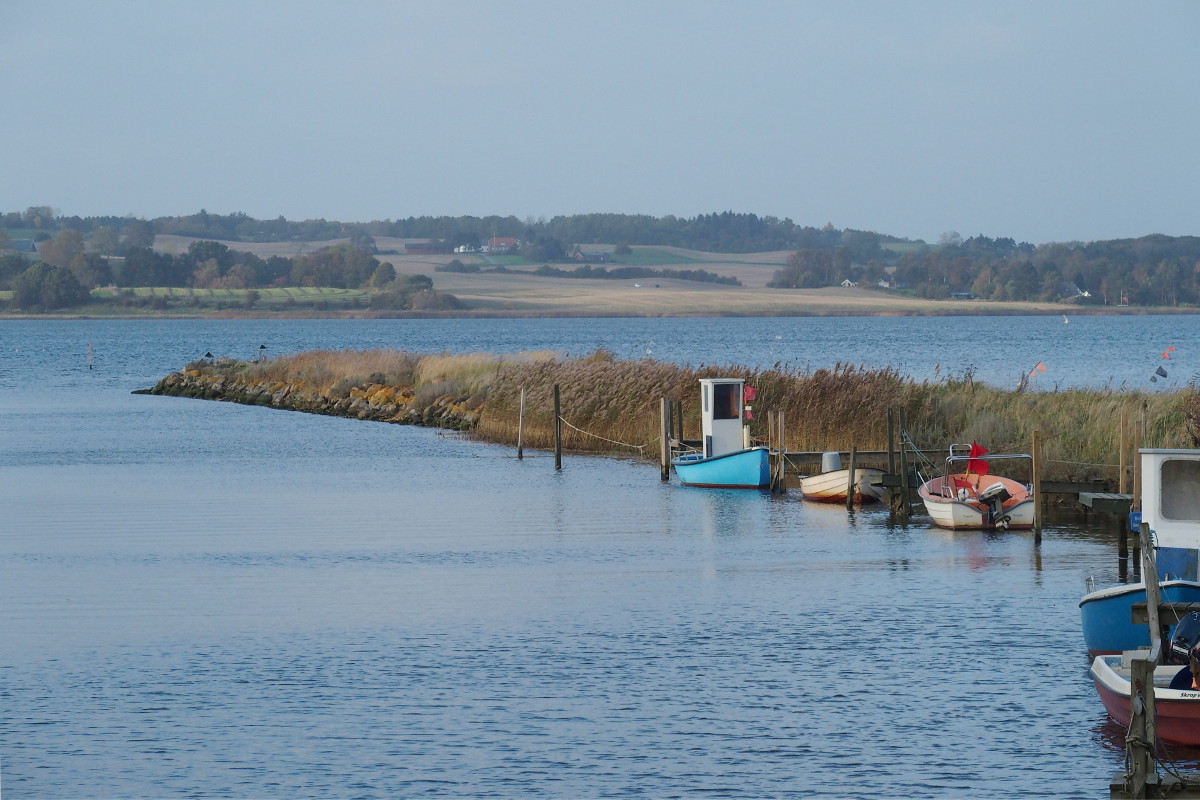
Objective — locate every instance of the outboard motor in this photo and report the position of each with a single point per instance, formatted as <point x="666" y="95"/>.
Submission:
<point x="1187" y="635"/>
<point x="993" y="497"/>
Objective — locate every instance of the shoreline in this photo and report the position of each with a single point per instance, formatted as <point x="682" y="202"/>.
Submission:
<point x="1007" y="311"/>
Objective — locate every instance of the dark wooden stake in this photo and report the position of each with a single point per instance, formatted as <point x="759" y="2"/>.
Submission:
<point x="782" y="454"/>
<point x="851" y="479"/>
<point x="664" y="435"/>
<point x="1123" y="452"/>
<point x="1037" y="487"/>
<point x="557" y="429"/>
<point x="521" y="427"/>
<point x="904" y="506"/>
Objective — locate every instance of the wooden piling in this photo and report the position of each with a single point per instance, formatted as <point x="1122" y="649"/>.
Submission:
<point x="1139" y="441"/>
<point x="1036" y="467"/>
<point x="89" y="355"/>
<point x="521" y="426"/>
<point x="557" y="429"/>
<point x="1123" y="452"/>
<point x="904" y="504"/>
<point x="891" y="455"/>
<point x="1142" y="735"/>
<point x="853" y="477"/>
<point x="781" y="480"/>
<point x="664" y="437"/>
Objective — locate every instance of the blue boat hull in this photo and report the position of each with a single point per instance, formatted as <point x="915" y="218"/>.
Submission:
<point x="1106" y="615"/>
<point x="741" y="469"/>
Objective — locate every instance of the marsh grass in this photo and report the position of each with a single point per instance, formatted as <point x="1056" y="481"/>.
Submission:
<point x="338" y="370"/>
<point x="836" y="409"/>
<point x="616" y="403"/>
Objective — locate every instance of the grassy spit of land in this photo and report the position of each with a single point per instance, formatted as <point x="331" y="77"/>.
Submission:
<point x="612" y="405"/>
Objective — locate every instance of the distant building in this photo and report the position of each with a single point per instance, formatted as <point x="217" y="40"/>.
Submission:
<point x="499" y="245"/>
<point x="433" y="246"/>
<point x="848" y="283"/>
<point x="961" y="296"/>
<point x="20" y="245"/>
<point x="581" y="256"/>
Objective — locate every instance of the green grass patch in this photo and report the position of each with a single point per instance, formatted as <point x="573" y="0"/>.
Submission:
<point x="905" y="247"/>
<point x="652" y="257"/>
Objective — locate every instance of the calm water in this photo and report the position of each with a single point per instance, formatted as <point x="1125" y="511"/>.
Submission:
<point x="209" y="600"/>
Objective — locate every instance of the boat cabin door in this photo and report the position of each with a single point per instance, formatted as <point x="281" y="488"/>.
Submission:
<point x="722" y="413"/>
<point x="1171" y="506"/>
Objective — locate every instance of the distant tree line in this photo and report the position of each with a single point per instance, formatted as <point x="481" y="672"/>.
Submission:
<point x="726" y="232"/>
<point x="1153" y="270"/>
<point x="66" y="272"/>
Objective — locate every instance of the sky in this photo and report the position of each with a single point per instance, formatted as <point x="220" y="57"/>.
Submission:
<point x="1050" y="120"/>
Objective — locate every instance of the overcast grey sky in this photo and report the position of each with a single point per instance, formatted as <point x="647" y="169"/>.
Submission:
<point x="1050" y="120"/>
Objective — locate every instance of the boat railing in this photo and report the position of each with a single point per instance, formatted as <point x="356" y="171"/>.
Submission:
<point x="989" y="458"/>
<point x="953" y="458"/>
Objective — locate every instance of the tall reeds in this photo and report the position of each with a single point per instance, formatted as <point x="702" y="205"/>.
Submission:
<point x="612" y="405"/>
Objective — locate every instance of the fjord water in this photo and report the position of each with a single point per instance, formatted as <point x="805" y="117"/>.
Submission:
<point x="209" y="600"/>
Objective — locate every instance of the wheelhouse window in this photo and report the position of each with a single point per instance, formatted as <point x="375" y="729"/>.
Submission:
<point x="725" y="400"/>
<point x="1180" y="490"/>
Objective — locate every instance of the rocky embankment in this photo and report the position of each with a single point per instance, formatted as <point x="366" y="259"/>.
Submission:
<point x="370" y="401"/>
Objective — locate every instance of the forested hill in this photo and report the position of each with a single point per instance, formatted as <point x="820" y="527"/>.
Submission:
<point x="715" y="233"/>
<point x="1152" y="270"/>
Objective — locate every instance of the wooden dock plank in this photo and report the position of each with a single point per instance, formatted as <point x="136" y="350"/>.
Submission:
<point x="1167" y="611"/>
<point x="1107" y="502"/>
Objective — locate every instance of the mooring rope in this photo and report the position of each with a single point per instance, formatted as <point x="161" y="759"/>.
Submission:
<point x="1082" y="463"/>
<point x="601" y="438"/>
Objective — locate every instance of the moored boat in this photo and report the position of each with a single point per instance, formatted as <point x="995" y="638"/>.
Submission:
<point x="1170" y="506"/>
<point x="966" y="496"/>
<point x="726" y="460"/>
<point x="742" y="469"/>
<point x="832" y="484"/>
<point x="1106" y="614"/>
<point x="1177" y="710"/>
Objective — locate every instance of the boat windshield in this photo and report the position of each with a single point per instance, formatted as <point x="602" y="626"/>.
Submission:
<point x="725" y="400"/>
<point x="1180" y="499"/>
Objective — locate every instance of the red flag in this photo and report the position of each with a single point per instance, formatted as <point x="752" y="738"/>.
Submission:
<point x="977" y="464"/>
<point x="1166" y="355"/>
<point x="748" y="394"/>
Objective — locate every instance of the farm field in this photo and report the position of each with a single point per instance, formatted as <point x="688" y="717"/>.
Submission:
<point x="520" y="292"/>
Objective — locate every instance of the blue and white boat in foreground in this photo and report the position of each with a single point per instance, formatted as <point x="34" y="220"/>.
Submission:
<point x="1170" y="501"/>
<point x="726" y="461"/>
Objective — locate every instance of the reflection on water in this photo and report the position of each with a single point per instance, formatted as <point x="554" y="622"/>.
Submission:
<point x="209" y="599"/>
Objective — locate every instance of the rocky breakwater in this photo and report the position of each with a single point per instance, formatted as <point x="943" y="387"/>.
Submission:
<point x="357" y="400"/>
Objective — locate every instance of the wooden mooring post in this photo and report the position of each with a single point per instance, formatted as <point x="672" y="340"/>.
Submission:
<point x="904" y="508"/>
<point x="852" y="478"/>
<point x="521" y="426"/>
<point x="779" y="484"/>
<point x="1141" y="740"/>
<point x="1036" y="479"/>
<point x="557" y="429"/>
<point x="1123" y="452"/>
<point x="664" y="438"/>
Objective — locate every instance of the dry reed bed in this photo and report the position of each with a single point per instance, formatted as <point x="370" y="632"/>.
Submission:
<point x="616" y="404"/>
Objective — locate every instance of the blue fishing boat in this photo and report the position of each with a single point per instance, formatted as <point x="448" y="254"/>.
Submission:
<point x="1170" y="505"/>
<point x="725" y="460"/>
